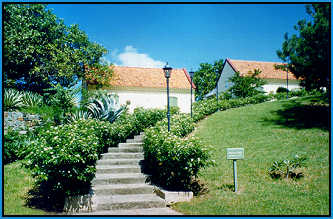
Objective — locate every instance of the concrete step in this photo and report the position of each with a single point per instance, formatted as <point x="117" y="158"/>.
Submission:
<point x="104" y="162"/>
<point x="125" y="149"/>
<point x="141" y="211"/>
<point x="137" y="144"/>
<point x="133" y="141"/>
<point x="123" y="155"/>
<point x="138" y="137"/>
<point x="123" y="189"/>
<point x="118" y="178"/>
<point x="142" y="133"/>
<point x="115" y="202"/>
<point x="118" y="169"/>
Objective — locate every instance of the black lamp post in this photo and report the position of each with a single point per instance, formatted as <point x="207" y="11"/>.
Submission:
<point x="287" y="84"/>
<point x="167" y="73"/>
<point x="217" y="90"/>
<point x="191" y="76"/>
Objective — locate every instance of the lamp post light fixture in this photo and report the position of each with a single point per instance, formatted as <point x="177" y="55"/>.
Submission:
<point x="167" y="73"/>
<point x="191" y="76"/>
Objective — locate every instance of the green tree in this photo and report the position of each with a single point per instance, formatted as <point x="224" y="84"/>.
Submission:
<point x="40" y="50"/>
<point x="308" y="53"/>
<point x="247" y="85"/>
<point x="205" y="78"/>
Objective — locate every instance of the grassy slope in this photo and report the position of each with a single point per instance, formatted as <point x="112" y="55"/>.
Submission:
<point x="17" y="182"/>
<point x="267" y="134"/>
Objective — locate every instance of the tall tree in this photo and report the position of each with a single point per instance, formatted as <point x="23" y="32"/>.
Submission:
<point x="206" y="77"/>
<point x="40" y="50"/>
<point x="308" y="53"/>
<point x="248" y="85"/>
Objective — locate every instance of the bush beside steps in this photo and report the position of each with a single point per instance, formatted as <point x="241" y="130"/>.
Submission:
<point x="119" y="185"/>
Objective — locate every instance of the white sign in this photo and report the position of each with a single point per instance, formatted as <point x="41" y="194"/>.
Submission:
<point x="235" y="153"/>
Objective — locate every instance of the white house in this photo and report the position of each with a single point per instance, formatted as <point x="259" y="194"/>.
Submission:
<point x="274" y="77"/>
<point x="146" y="87"/>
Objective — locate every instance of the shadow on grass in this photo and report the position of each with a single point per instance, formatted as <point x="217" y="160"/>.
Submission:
<point x="305" y="114"/>
<point x="40" y="197"/>
<point x="227" y="187"/>
<point x="193" y="184"/>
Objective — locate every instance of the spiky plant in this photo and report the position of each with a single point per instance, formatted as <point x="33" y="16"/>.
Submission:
<point x="30" y="99"/>
<point x="12" y="99"/>
<point x="79" y="114"/>
<point x="104" y="108"/>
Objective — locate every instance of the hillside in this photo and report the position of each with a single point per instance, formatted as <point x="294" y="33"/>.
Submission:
<point x="268" y="132"/>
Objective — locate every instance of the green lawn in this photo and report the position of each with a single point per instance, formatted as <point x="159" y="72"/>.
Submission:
<point x="17" y="183"/>
<point x="268" y="132"/>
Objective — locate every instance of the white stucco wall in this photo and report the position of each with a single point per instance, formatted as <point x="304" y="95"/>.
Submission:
<point x="272" y="87"/>
<point x="153" y="99"/>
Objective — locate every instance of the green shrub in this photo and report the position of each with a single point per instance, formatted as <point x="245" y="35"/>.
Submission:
<point x="204" y="108"/>
<point x="145" y="118"/>
<point x="63" y="100"/>
<point x="281" y="90"/>
<point x="247" y="85"/>
<point x="65" y="156"/>
<point x="46" y="113"/>
<point x="16" y="146"/>
<point x="171" y="159"/>
<point x="11" y="146"/>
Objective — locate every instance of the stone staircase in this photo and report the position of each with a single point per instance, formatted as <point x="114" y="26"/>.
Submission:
<point x="119" y="186"/>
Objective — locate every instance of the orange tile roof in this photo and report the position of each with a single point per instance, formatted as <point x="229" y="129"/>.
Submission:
<point x="149" y="78"/>
<point x="267" y="69"/>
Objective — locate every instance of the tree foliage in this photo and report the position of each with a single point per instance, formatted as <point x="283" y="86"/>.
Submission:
<point x="206" y="77"/>
<point x="40" y="50"/>
<point x="247" y="85"/>
<point x="308" y="52"/>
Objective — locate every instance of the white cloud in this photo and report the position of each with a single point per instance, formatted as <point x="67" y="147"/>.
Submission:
<point x="130" y="57"/>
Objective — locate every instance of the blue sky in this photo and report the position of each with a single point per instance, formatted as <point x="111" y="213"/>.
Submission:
<point x="185" y="35"/>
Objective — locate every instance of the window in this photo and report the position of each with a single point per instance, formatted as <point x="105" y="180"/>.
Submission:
<point x="173" y="101"/>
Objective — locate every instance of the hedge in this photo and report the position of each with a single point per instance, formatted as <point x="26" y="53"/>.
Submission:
<point x="171" y="159"/>
<point x="64" y="157"/>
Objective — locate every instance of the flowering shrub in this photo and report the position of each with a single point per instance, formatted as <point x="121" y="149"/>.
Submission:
<point x="65" y="156"/>
<point x="171" y="159"/>
<point x="15" y="146"/>
<point x="206" y="107"/>
<point x="129" y="125"/>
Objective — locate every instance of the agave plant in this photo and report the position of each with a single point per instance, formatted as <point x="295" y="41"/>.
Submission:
<point x="79" y="114"/>
<point x="104" y="108"/>
<point x="12" y="99"/>
<point x="30" y="99"/>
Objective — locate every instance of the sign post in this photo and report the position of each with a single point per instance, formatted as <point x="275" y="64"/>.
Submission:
<point x="235" y="154"/>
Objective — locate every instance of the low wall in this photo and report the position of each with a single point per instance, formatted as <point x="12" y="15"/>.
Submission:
<point x="80" y="203"/>
<point x="19" y="121"/>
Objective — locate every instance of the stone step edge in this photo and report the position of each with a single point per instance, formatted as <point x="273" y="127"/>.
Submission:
<point x="123" y="189"/>
<point x="115" y="186"/>
<point x="172" y="197"/>
<point x="139" y="211"/>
